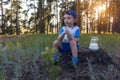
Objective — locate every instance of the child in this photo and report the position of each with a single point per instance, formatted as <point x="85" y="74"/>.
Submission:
<point x="68" y="38"/>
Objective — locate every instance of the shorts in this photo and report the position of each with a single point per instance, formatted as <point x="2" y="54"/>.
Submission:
<point x="66" y="47"/>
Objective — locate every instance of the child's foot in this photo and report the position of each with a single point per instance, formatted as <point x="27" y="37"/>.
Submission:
<point x="75" y="61"/>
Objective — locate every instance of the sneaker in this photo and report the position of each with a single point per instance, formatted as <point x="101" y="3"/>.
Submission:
<point x="55" y="57"/>
<point x="75" y="59"/>
<point x="55" y="60"/>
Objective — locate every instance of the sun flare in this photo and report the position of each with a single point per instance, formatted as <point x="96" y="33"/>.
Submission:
<point x="99" y="10"/>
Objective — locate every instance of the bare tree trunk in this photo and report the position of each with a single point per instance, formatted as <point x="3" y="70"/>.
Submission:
<point x="113" y="26"/>
<point x="17" y="24"/>
<point x="57" y="16"/>
<point x="11" y="20"/>
<point x="42" y="28"/>
<point x="3" y="24"/>
<point x="36" y="27"/>
<point x="87" y="21"/>
<point x="41" y="16"/>
<point x="78" y="11"/>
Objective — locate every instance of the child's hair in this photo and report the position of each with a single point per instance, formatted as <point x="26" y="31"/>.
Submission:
<point x="73" y="13"/>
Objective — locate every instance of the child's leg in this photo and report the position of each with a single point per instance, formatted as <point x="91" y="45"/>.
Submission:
<point x="74" y="50"/>
<point x="56" y="45"/>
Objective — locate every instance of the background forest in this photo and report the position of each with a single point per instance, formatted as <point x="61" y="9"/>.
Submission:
<point x="45" y="16"/>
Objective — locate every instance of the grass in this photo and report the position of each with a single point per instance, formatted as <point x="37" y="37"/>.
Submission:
<point x="108" y="42"/>
<point x="105" y="40"/>
<point x="36" y="45"/>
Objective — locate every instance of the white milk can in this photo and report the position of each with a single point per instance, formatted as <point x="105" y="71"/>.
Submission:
<point x="94" y="43"/>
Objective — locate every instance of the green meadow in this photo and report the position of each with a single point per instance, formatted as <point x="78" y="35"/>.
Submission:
<point x="109" y="42"/>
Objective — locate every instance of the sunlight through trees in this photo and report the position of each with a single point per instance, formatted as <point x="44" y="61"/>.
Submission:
<point x="45" y="16"/>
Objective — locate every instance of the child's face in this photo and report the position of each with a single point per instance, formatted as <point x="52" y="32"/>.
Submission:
<point x="69" y="20"/>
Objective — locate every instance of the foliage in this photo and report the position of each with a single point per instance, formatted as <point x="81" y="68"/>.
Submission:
<point x="47" y="57"/>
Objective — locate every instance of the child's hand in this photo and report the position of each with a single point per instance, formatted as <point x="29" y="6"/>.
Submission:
<point x="69" y="36"/>
<point x="66" y="32"/>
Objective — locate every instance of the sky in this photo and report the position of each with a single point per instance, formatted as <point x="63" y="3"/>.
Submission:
<point x="23" y="5"/>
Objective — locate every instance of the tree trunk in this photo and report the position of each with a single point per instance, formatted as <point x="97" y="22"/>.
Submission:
<point x="57" y="16"/>
<point x="42" y="28"/>
<point x="17" y="24"/>
<point x="78" y="11"/>
<point x="11" y="20"/>
<point x="3" y="24"/>
<point x="87" y="22"/>
<point x="36" y="27"/>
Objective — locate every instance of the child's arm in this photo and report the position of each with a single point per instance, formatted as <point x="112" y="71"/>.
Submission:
<point x="61" y="36"/>
<point x="77" y="36"/>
